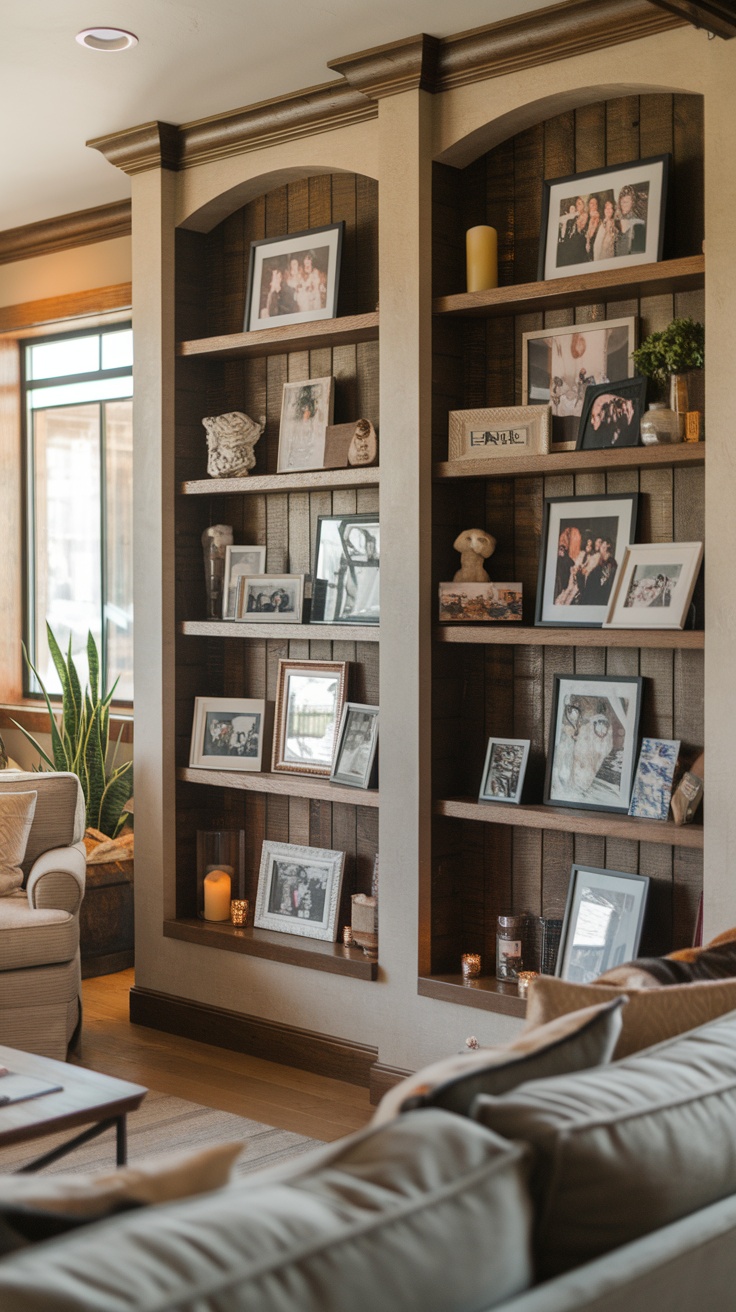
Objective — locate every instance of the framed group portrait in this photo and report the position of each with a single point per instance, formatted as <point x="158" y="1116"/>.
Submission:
<point x="593" y="739"/>
<point x="583" y="543"/>
<point x="230" y="733"/>
<point x="299" y="890"/>
<point x="558" y="364"/>
<point x="271" y="598"/>
<point x="603" y="921"/>
<point x="294" y="279"/>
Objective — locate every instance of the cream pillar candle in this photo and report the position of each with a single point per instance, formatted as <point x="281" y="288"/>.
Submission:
<point x="481" y="251"/>
<point x="217" y="886"/>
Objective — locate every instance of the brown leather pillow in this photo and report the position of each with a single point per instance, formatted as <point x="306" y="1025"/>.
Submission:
<point x="717" y="960"/>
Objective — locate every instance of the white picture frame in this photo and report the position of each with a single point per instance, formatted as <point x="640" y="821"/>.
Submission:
<point x="240" y="561"/>
<point x="230" y="733"/>
<point x="299" y="890"/>
<point x="306" y="413"/>
<point x="504" y="770"/>
<point x="270" y="599"/>
<point x="655" y="586"/>
<point x="357" y="742"/>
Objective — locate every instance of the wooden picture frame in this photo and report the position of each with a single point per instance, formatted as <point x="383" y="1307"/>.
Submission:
<point x="593" y="741"/>
<point x="309" y="700"/>
<point x="299" y="890"/>
<point x="504" y="770"/>
<point x="654" y="586"/>
<point x="630" y="206"/>
<point x="294" y="279"/>
<point x="504" y="431"/>
<point x="357" y="742"/>
<point x="557" y="364"/>
<point x="612" y="415"/>
<point x="577" y="572"/>
<point x="230" y="733"/>
<point x="611" y="930"/>
<point x="270" y="598"/>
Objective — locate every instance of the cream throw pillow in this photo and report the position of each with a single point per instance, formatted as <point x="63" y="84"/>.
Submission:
<point x="163" y="1179"/>
<point x="651" y="1016"/>
<point x="16" y="818"/>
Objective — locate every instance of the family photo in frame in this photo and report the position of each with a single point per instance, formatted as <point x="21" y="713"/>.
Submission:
<point x="271" y="598"/>
<point x="655" y="587"/>
<point x="240" y="562"/>
<point x="357" y="741"/>
<point x="299" y="890"/>
<point x="583" y="544"/>
<point x="294" y="279"/>
<point x="230" y="733"/>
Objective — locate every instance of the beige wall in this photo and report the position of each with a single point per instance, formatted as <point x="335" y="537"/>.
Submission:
<point x="105" y="264"/>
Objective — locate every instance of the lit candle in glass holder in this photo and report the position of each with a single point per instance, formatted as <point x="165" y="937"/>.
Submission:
<point x="524" y="979"/>
<point x="239" y="908"/>
<point x="470" y="965"/>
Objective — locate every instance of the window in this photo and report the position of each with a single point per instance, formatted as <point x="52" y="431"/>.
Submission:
<point x="79" y="524"/>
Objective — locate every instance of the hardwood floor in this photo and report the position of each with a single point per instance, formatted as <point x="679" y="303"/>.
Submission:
<point x="277" y="1095"/>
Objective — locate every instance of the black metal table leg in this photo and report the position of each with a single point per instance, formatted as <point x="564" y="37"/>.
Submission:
<point x="121" y="1146"/>
<point x="77" y="1142"/>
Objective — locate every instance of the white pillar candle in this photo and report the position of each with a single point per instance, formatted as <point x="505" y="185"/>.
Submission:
<point x="217" y="887"/>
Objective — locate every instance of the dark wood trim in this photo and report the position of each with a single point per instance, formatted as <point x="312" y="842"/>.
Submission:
<point x="83" y="228"/>
<point x="407" y="65"/>
<point x="715" y="16"/>
<point x="35" y="718"/>
<point x="147" y="146"/>
<point x="486" y="993"/>
<point x="289" y="949"/>
<point x="573" y="820"/>
<point x="100" y="301"/>
<point x="383" y="1078"/>
<point x="323" y="1054"/>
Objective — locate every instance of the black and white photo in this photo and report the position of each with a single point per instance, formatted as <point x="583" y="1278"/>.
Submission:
<point x="656" y="585"/>
<point x="240" y="562"/>
<point x="603" y="922"/>
<point x="558" y="364"/>
<point x="294" y="279"/>
<point x="306" y="412"/>
<point x="583" y="543"/>
<point x="347" y="577"/>
<point x="299" y="890"/>
<point x="593" y="741"/>
<point x="230" y="733"/>
<point x="271" y="598"/>
<point x="504" y="770"/>
<point x="612" y="414"/>
<point x="357" y="741"/>
<point x="604" y="219"/>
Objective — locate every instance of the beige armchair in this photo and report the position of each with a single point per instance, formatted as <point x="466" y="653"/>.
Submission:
<point x="40" y="981"/>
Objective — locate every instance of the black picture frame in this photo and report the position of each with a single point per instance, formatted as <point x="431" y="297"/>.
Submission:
<point x="347" y="571"/>
<point x="650" y="180"/>
<point x="595" y="959"/>
<point x="581" y="518"/>
<point x="282" y="249"/>
<point x="612" y="426"/>
<point x="593" y="736"/>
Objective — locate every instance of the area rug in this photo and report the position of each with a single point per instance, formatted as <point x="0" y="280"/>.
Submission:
<point x="161" y="1125"/>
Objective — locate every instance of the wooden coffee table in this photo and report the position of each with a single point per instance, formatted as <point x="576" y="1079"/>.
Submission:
<point x="86" y="1098"/>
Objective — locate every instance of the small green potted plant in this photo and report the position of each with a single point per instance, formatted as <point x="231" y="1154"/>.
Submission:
<point x="669" y="359"/>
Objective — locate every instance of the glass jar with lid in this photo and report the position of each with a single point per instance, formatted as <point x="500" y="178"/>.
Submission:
<point x="509" y="946"/>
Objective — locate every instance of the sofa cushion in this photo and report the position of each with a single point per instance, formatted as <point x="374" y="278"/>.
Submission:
<point x="16" y="818"/>
<point x="569" y="1043"/>
<point x="715" y="961"/>
<point x="430" y="1211"/>
<point x="59" y="817"/>
<point x="33" y="937"/>
<point x="652" y="1014"/>
<point x="623" y="1151"/>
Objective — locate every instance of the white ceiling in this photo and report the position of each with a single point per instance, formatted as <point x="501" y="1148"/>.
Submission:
<point x="194" y="58"/>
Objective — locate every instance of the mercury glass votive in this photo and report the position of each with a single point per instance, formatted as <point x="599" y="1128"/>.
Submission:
<point x="347" y="936"/>
<point x="239" y="908"/>
<point x="524" y="979"/>
<point x="470" y="965"/>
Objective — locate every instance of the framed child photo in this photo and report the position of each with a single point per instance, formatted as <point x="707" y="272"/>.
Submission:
<point x="583" y="544"/>
<point x="655" y="586"/>
<point x="230" y="733"/>
<point x="299" y="890"/>
<point x="611" y="415"/>
<point x="239" y="563"/>
<point x="306" y="413"/>
<point x="558" y="364"/>
<point x="294" y="279"/>
<point x="504" y="770"/>
<point x="603" y="921"/>
<point x="357" y="740"/>
<point x="593" y="739"/>
<point x="607" y="218"/>
<point x="271" y="599"/>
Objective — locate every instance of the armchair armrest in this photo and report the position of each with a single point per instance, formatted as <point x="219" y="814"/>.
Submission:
<point x="57" y="879"/>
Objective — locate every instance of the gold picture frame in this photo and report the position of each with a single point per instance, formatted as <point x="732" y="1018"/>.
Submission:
<point x="308" y="716"/>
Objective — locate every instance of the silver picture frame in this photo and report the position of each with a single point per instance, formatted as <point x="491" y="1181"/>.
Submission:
<point x="357" y="742"/>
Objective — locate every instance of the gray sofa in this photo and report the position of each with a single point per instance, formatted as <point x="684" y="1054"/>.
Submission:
<point x="611" y="1189"/>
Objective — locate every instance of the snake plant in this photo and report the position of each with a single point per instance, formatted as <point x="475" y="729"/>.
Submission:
<point x="81" y="738"/>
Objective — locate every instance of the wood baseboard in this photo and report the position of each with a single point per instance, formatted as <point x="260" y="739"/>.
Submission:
<point x="323" y="1054"/>
<point x="383" y="1078"/>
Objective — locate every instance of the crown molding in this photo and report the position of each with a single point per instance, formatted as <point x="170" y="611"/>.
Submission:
<point x="715" y="16"/>
<point x="561" y="31"/>
<point x="66" y="231"/>
<point x="407" y="65"/>
<point x="134" y="150"/>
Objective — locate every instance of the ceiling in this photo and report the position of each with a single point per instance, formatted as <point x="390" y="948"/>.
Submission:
<point x="194" y="58"/>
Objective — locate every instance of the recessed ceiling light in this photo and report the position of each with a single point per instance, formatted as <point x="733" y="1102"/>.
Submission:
<point x="106" y="38"/>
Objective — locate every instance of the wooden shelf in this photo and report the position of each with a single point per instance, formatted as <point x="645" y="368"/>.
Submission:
<point x="279" y="341"/>
<point x="289" y="949"/>
<point x="573" y="820"/>
<point x="288" y="785"/>
<point x="521" y="635"/>
<point x="315" y="632"/>
<point x="573" y="462"/>
<point x="313" y="480"/>
<point x="486" y="993"/>
<point x="584" y="289"/>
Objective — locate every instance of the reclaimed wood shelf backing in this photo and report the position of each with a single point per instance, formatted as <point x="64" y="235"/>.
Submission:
<point x="499" y="680"/>
<point x="311" y="953"/>
<point x="220" y="368"/>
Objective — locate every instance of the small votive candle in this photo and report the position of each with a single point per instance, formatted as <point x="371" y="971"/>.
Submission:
<point x="481" y="258"/>
<point x="347" y="936"/>
<point x="239" y="908"/>
<point x="470" y="964"/>
<point x="217" y="889"/>
<point x="524" y="979"/>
